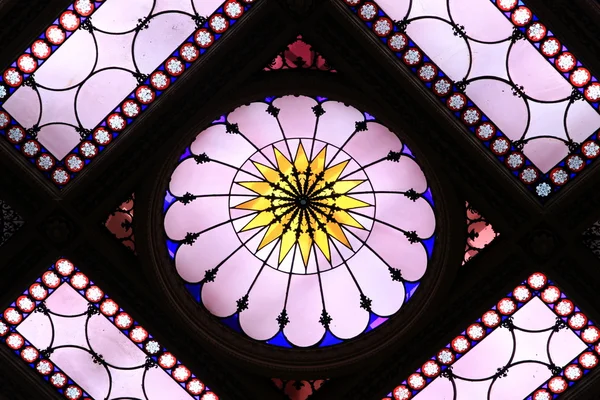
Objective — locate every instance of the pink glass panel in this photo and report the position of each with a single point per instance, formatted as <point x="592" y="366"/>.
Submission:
<point x="304" y="308"/>
<point x="386" y="241"/>
<point x="296" y="116"/>
<point x="100" y="67"/>
<point x="496" y="66"/>
<point x="232" y="283"/>
<point x="530" y="341"/>
<point x="77" y="332"/>
<point x="373" y="273"/>
<point x="295" y="292"/>
<point x="342" y="301"/>
<point x="267" y="299"/>
<point x="213" y="247"/>
<point x="338" y="123"/>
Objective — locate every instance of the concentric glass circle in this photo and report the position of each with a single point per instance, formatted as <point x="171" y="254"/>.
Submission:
<point x="299" y="221"/>
<point x="304" y="201"/>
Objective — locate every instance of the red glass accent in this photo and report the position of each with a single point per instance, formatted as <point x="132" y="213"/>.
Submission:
<point x="120" y="223"/>
<point x="299" y="54"/>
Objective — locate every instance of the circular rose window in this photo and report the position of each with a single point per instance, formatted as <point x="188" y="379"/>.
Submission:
<point x="299" y="221"/>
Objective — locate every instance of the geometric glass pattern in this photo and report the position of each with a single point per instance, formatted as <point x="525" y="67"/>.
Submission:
<point x="591" y="238"/>
<point x="299" y="389"/>
<point x="109" y="60"/>
<point x="80" y="341"/>
<point x="533" y="344"/>
<point x="299" y="54"/>
<point x="10" y="222"/>
<point x="120" y="223"/>
<point x="480" y="233"/>
<point x="316" y="229"/>
<point x="506" y="77"/>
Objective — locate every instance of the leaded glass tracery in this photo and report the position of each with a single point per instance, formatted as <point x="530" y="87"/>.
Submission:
<point x="110" y="61"/>
<point x="535" y="344"/>
<point x="507" y="77"/>
<point x="80" y="341"/>
<point x="316" y="229"/>
<point x="591" y="238"/>
<point x="10" y="222"/>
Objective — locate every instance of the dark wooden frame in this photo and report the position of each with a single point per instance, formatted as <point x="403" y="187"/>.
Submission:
<point x="69" y="223"/>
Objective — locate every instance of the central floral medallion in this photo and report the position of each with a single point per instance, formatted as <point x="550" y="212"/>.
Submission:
<point x="299" y="221"/>
<point x="302" y="202"/>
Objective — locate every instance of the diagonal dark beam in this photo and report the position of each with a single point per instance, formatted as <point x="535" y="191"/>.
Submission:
<point x="576" y="24"/>
<point x="22" y="21"/>
<point x="22" y="186"/>
<point x="17" y="382"/>
<point x="578" y="207"/>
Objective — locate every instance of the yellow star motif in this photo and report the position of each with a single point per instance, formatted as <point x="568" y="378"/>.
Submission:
<point x="302" y="203"/>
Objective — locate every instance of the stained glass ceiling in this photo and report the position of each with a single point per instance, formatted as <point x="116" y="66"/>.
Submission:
<point x="571" y="346"/>
<point x="108" y="60"/>
<point x="504" y="75"/>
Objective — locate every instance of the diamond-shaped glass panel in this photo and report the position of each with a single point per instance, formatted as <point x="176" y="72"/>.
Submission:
<point x="535" y="343"/>
<point x="83" y="343"/>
